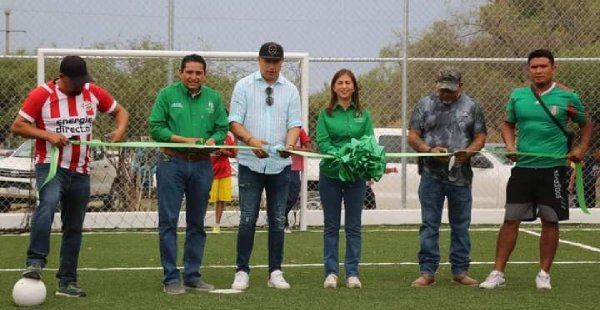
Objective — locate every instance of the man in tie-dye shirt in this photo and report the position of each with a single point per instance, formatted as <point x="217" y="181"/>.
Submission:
<point x="447" y="121"/>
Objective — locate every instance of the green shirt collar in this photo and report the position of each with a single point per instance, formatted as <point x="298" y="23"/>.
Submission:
<point x="338" y="106"/>
<point x="187" y="91"/>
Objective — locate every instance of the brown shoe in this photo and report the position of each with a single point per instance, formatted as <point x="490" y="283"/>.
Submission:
<point x="424" y="280"/>
<point x="464" y="279"/>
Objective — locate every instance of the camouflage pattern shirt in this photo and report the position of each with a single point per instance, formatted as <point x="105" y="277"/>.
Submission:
<point x="452" y="126"/>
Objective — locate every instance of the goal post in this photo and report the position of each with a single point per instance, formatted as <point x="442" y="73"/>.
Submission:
<point x="295" y="68"/>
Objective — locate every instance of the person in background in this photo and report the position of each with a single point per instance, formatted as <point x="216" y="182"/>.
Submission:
<point x="304" y="144"/>
<point x="220" y="192"/>
<point x="537" y="186"/>
<point x="57" y="114"/>
<point x="185" y="112"/>
<point x="265" y="114"/>
<point x="344" y="118"/>
<point x="446" y="121"/>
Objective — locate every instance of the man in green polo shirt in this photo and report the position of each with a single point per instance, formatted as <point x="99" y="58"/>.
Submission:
<point x="185" y="112"/>
<point x="538" y="185"/>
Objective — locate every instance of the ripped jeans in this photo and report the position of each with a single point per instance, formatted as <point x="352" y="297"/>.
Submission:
<point x="251" y="185"/>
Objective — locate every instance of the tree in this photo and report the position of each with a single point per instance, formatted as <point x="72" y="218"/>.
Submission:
<point x="18" y="79"/>
<point x="502" y="29"/>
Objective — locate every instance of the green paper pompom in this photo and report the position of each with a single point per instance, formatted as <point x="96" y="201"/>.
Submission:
<point x="360" y="159"/>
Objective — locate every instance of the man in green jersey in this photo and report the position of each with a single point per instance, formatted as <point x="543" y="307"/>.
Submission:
<point x="185" y="112"/>
<point x="538" y="185"/>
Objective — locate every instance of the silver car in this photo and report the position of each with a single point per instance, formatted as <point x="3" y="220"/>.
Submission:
<point x="17" y="177"/>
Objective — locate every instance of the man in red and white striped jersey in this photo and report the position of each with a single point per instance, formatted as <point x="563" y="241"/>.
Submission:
<point x="56" y="113"/>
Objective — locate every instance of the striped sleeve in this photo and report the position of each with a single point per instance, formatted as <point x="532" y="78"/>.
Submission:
<point x="106" y="102"/>
<point x="32" y="106"/>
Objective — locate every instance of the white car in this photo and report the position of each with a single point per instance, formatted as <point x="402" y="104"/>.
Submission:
<point x="490" y="175"/>
<point x="17" y="177"/>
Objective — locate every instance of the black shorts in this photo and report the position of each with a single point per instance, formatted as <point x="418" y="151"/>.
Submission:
<point x="537" y="192"/>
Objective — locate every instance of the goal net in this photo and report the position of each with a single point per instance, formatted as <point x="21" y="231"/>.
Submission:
<point x="123" y="179"/>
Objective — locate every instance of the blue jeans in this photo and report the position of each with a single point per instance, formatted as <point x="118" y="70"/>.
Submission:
<point x="72" y="190"/>
<point x="431" y="195"/>
<point x="332" y="192"/>
<point x="251" y="185"/>
<point x="176" y="177"/>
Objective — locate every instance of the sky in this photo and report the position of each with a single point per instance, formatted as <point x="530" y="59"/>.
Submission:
<point x="324" y="28"/>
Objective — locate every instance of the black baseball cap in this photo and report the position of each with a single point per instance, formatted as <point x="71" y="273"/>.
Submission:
<point x="271" y="50"/>
<point x="449" y="78"/>
<point x="75" y="68"/>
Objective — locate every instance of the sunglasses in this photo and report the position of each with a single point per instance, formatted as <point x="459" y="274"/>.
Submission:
<point x="269" y="99"/>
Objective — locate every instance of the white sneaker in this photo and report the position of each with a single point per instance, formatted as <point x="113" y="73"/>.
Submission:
<point x="542" y="281"/>
<point x="276" y="280"/>
<point x="353" y="282"/>
<point x="287" y="230"/>
<point x="241" y="280"/>
<point x="330" y="281"/>
<point x="494" y="279"/>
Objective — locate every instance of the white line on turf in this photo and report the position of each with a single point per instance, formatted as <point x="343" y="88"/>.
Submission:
<point x="311" y="265"/>
<point x="375" y="230"/>
<point x="576" y="244"/>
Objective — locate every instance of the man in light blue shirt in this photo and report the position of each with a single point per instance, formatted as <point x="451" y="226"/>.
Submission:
<point x="264" y="114"/>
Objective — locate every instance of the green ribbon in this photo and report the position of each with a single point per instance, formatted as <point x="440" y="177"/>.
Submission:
<point x="54" y="158"/>
<point x="54" y="150"/>
<point x="158" y="144"/>
<point x="53" y="165"/>
<point x="360" y="159"/>
<point x="579" y="187"/>
<point x="578" y="169"/>
<point x="402" y="155"/>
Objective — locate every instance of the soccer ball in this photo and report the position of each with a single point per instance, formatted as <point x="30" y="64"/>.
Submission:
<point x="29" y="292"/>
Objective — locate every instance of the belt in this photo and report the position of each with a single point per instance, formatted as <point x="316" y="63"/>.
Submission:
<point x="185" y="156"/>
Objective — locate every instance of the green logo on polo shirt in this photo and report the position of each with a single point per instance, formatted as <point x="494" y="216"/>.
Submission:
<point x="176" y="105"/>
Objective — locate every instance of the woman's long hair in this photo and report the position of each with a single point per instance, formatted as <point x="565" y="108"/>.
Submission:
<point x="334" y="98"/>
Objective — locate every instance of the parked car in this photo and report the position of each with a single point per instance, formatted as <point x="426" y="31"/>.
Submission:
<point x="5" y="152"/>
<point x="17" y="177"/>
<point x="491" y="172"/>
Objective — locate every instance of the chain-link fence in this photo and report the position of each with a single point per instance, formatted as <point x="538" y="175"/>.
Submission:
<point x="486" y="42"/>
<point x="122" y="179"/>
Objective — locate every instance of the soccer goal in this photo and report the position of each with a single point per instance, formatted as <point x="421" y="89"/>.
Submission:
<point x="123" y="180"/>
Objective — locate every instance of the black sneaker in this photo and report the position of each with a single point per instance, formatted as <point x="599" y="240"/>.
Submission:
<point x="70" y="290"/>
<point x="174" y="288"/>
<point x="33" y="271"/>
<point x="198" y="286"/>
